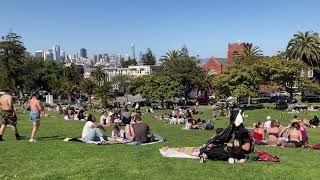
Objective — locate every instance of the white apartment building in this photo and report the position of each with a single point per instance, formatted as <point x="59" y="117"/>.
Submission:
<point x="132" y="71"/>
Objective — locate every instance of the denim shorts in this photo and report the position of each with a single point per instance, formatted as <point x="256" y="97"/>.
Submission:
<point x="34" y="116"/>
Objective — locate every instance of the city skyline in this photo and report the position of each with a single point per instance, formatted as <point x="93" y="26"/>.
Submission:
<point x="205" y="27"/>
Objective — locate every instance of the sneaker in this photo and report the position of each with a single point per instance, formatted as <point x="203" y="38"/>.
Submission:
<point x="231" y="161"/>
<point x="32" y="140"/>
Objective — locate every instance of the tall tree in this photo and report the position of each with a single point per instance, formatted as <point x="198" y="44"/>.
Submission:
<point x="305" y="46"/>
<point x="12" y="52"/>
<point x="251" y="51"/>
<point x="148" y="58"/>
<point x="183" y="69"/>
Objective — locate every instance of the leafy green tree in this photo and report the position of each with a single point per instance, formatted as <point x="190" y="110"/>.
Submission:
<point x="12" y="52"/>
<point x="157" y="86"/>
<point x="183" y="69"/>
<point x="148" y="58"/>
<point x="69" y="87"/>
<point x="242" y="79"/>
<point x="305" y="46"/>
<point x="122" y="82"/>
<point x="104" y="91"/>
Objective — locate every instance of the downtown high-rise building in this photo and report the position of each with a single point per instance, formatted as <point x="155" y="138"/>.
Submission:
<point x="62" y="56"/>
<point x="133" y="51"/>
<point x="49" y="55"/>
<point x="56" y="53"/>
<point x="83" y="53"/>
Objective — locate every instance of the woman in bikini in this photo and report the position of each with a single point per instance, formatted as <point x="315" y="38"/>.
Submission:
<point x="273" y="133"/>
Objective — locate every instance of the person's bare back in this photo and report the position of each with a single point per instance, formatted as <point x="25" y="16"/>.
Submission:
<point x="6" y="102"/>
<point x="35" y="105"/>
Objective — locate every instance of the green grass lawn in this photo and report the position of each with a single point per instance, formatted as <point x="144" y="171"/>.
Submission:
<point x="51" y="158"/>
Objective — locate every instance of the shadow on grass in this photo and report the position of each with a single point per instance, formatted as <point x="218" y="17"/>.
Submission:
<point x="51" y="138"/>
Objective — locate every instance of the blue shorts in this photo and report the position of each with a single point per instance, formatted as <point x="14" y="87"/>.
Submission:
<point x="34" y="116"/>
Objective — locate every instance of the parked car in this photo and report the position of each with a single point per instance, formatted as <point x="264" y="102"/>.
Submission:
<point x="310" y="98"/>
<point x="222" y="103"/>
<point x="202" y="99"/>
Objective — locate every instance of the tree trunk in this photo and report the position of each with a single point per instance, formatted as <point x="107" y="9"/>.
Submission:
<point x="59" y="99"/>
<point x="90" y="103"/>
<point x="291" y="94"/>
<point x="69" y="98"/>
<point x="249" y="100"/>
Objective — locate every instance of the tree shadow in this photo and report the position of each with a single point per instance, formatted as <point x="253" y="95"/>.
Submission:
<point x="50" y="137"/>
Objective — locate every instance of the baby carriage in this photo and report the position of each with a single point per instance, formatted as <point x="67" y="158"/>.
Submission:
<point x="216" y="148"/>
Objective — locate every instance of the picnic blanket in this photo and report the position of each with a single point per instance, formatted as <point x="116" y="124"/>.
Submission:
<point x="264" y="156"/>
<point x="180" y="152"/>
<point x="314" y="146"/>
<point x="157" y="139"/>
<point x="92" y="142"/>
<point x="193" y="153"/>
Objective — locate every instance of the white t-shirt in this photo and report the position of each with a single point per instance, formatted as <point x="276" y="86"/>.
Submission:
<point x="267" y="124"/>
<point x="102" y="119"/>
<point x="87" y="129"/>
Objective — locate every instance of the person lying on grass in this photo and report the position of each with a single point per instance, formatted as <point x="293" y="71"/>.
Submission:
<point x="92" y="131"/>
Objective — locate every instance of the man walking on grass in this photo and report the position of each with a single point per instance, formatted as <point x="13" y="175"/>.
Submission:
<point x="7" y="114"/>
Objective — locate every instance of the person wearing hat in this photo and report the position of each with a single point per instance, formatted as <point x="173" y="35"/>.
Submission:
<point x="267" y="124"/>
<point x="110" y="118"/>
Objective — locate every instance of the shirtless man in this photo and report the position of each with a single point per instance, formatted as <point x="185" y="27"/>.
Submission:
<point x="35" y="110"/>
<point x="7" y="114"/>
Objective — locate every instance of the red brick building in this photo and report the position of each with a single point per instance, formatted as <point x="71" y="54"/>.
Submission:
<point x="213" y="66"/>
<point x="234" y="51"/>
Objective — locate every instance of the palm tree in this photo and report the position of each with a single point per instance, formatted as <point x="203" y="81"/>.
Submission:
<point x="172" y="55"/>
<point x="99" y="74"/>
<point x="251" y="51"/>
<point x="305" y="46"/>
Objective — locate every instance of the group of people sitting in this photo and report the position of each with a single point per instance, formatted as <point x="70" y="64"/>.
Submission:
<point x="293" y="135"/>
<point x="199" y="124"/>
<point x="70" y="113"/>
<point x="135" y="131"/>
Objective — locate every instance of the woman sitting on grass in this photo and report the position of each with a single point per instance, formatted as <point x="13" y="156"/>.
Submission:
<point x="273" y="132"/>
<point x="258" y="134"/>
<point x="304" y="133"/>
<point x="294" y="135"/>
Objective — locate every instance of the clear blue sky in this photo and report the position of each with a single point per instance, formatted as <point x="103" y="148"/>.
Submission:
<point x="205" y="26"/>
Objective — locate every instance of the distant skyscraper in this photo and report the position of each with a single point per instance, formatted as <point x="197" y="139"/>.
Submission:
<point x="133" y="51"/>
<point x="62" y="56"/>
<point x="83" y="53"/>
<point x="105" y="58"/>
<point x="39" y="54"/>
<point x="95" y="59"/>
<point x="100" y="57"/>
<point x="56" y="53"/>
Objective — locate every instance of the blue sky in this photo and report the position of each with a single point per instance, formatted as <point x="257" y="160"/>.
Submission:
<point x="204" y="26"/>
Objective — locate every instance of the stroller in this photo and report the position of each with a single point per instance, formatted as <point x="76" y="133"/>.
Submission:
<point x="215" y="148"/>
